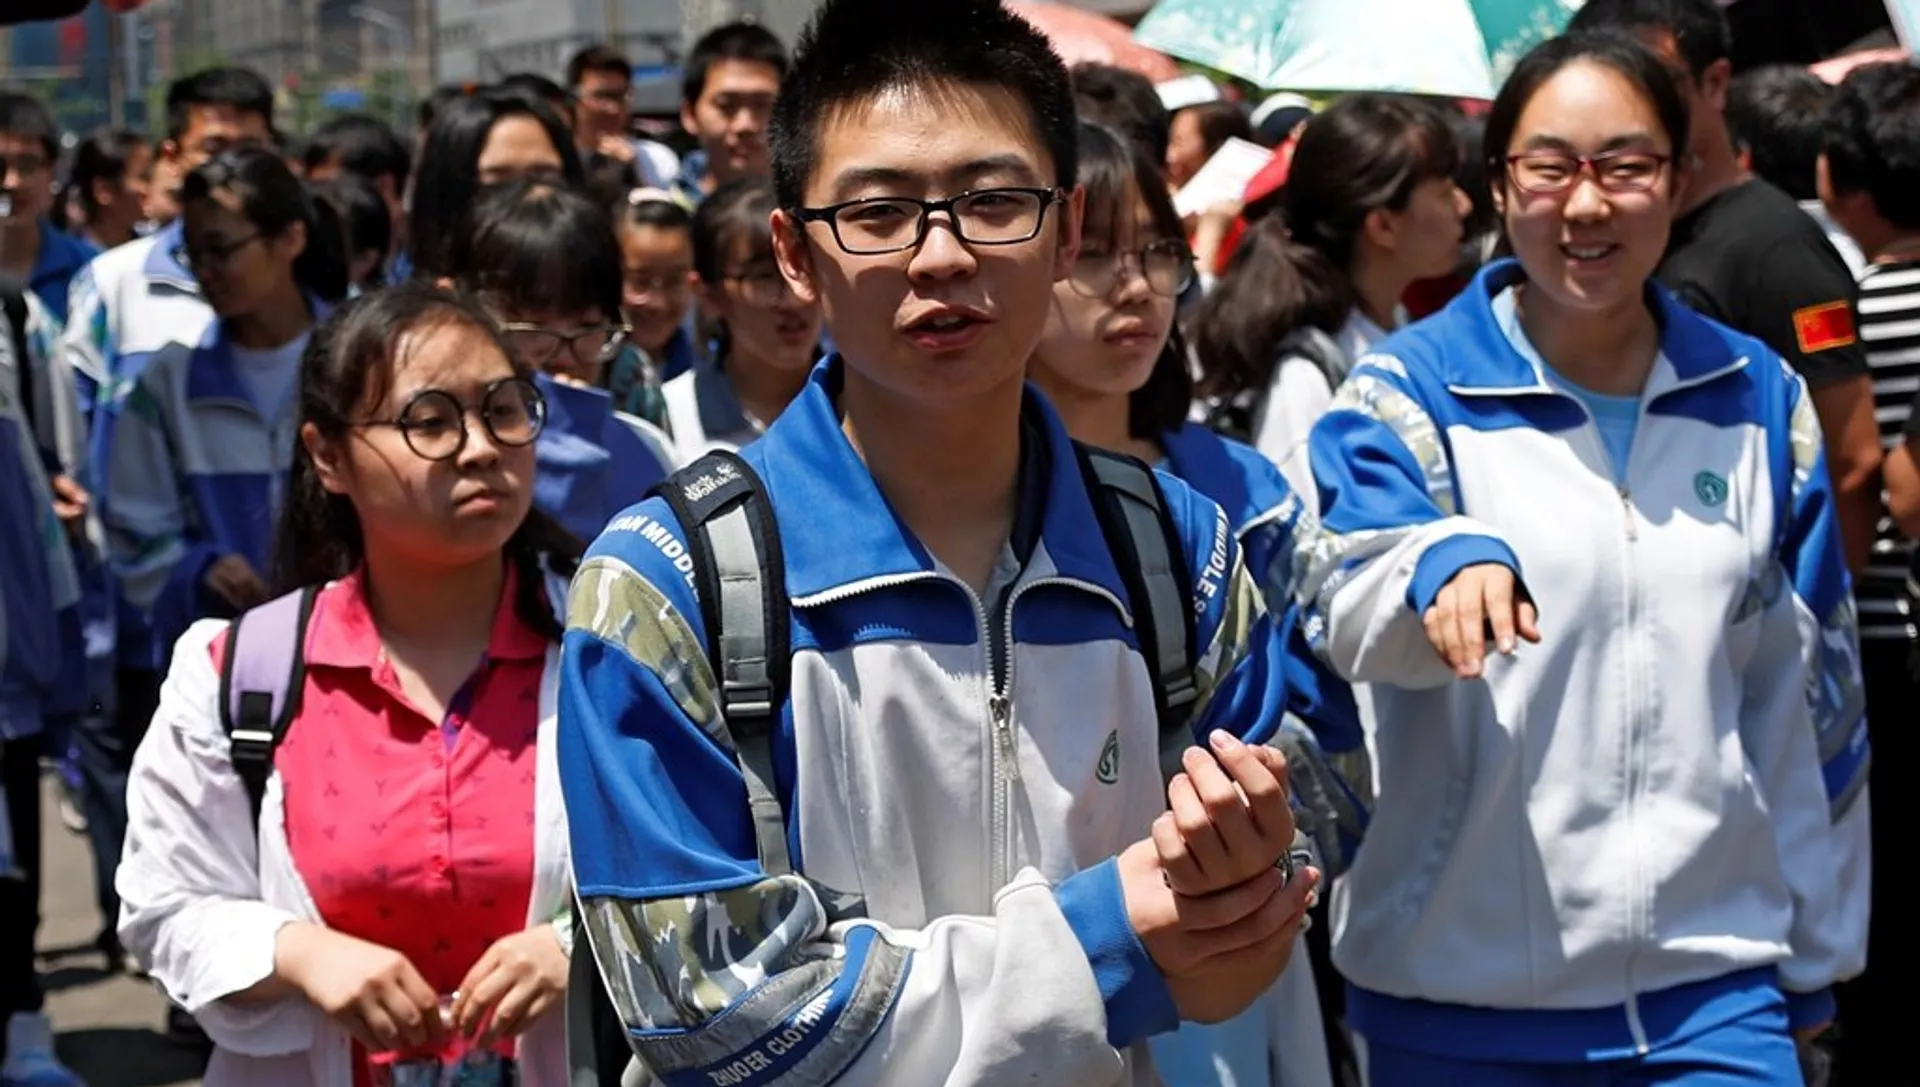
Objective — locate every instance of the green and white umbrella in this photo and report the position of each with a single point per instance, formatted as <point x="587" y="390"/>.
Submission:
<point x="1451" y="48"/>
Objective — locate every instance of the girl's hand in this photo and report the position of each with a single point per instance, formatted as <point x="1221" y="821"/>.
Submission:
<point x="371" y="991"/>
<point x="519" y="978"/>
<point x="1480" y="599"/>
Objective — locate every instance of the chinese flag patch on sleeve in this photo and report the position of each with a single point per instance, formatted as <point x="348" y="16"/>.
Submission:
<point x="1824" y="327"/>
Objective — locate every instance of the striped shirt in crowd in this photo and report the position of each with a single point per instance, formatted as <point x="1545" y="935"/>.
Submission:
<point x="1890" y="331"/>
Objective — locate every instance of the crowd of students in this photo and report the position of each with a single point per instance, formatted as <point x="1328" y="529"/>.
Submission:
<point x="533" y="603"/>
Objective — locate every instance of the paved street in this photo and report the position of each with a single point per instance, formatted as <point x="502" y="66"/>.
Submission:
<point x="111" y="1028"/>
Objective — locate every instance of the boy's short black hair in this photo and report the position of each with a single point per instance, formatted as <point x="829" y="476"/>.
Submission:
<point x="1699" y="27"/>
<point x="363" y="145"/>
<point x="741" y="41"/>
<point x="27" y="117"/>
<point x="241" y="88"/>
<point x="601" y="58"/>
<point x="1872" y="140"/>
<point x="856" y="49"/>
<point x="1123" y="100"/>
<point x="1776" y="113"/>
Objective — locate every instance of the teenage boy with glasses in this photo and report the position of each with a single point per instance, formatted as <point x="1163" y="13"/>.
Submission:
<point x="969" y="747"/>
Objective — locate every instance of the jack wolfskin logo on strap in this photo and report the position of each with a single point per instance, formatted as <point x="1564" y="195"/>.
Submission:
<point x="1108" y="770"/>
<point x="1709" y="488"/>
<point x="717" y="475"/>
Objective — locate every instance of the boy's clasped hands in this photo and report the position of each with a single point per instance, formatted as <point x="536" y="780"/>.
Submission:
<point x="1206" y="892"/>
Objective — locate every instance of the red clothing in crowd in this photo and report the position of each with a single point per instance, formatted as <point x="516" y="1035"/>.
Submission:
<point x="413" y="833"/>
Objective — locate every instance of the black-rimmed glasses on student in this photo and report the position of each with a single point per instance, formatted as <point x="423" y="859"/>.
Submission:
<point x="892" y="224"/>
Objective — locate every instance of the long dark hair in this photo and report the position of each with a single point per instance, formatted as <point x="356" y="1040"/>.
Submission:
<point x="1113" y="169"/>
<point x="448" y="176"/>
<point x="349" y="363"/>
<point x="534" y="245"/>
<point x="272" y="199"/>
<point x="1363" y="153"/>
<point x="738" y="213"/>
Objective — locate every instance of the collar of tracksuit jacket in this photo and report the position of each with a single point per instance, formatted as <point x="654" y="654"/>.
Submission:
<point x="808" y="464"/>
<point x="1475" y="357"/>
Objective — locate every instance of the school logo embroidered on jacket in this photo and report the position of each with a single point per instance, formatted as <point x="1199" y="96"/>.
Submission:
<point x="1709" y="488"/>
<point x="1108" y="770"/>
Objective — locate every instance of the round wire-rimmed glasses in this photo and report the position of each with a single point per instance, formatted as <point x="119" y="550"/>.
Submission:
<point x="434" y="422"/>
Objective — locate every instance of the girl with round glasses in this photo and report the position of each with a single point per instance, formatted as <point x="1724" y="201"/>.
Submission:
<point x="1580" y="541"/>
<point x="196" y="441"/>
<point x="544" y="261"/>
<point x="397" y="902"/>
<point x="764" y="339"/>
<point x="1113" y="364"/>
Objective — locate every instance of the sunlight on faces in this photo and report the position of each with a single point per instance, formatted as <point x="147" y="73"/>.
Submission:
<point x="657" y="270"/>
<point x="783" y="333"/>
<point x="730" y="117"/>
<point x="210" y="130"/>
<point x="422" y="512"/>
<point x="1587" y="249"/>
<point x="929" y="143"/>
<point x="517" y="146"/>
<point x="1424" y="237"/>
<point x="237" y="265"/>
<point x="1107" y="343"/>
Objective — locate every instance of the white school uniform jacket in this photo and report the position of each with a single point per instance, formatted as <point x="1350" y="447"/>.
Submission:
<point x="202" y="896"/>
<point x="966" y="770"/>
<point x="1670" y="789"/>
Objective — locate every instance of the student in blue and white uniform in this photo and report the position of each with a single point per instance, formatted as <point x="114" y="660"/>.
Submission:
<point x="764" y="338"/>
<point x="1633" y="851"/>
<point x="198" y="436"/>
<point x="544" y="262"/>
<point x="1113" y="364"/>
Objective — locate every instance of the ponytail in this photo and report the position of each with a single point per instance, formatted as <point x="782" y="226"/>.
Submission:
<point x="1272" y="286"/>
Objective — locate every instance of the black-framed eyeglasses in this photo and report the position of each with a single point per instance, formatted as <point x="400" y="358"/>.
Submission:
<point x="214" y="255"/>
<point x="1166" y="265"/>
<point x="890" y="224"/>
<point x="539" y="345"/>
<point x="1552" y="173"/>
<point x="434" y="422"/>
<point x="763" y="288"/>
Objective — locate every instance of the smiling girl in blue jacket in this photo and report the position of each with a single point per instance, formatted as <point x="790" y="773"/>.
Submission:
<point x="1634" y="850"/>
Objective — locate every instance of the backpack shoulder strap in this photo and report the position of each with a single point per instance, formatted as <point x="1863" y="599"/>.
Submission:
<point x="1146" y="548"/>
<point x="1314" y="345"/>
<point x="740" y="575"/>
<point x="260" y="682"/>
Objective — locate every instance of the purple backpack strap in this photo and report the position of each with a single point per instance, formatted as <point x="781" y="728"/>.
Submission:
<point x="260" y="683"/>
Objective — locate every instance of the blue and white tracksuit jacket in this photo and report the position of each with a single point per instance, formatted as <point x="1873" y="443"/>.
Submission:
<point x="127" y="304"/>
<point x="1638" y="828"/>
<point x="195" y="470"/>
<point x="38" y="585"/>
<point x="968" y="775"/>
<point x="593" y="461"/>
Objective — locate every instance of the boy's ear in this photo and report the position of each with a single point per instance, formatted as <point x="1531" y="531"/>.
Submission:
<point x="795" y="257"/>
<point x="1072" y="213"/>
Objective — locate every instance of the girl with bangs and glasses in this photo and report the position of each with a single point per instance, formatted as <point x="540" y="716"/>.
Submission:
<point x="1634" y="849"/>
<point x="395" y="904"/>
<point x="196" y="438"/>
<point x="544" y="262"/>
<point x="763" y="339"/>
<point x="1369" y="208"/>
<point x="1113" y="364"/>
